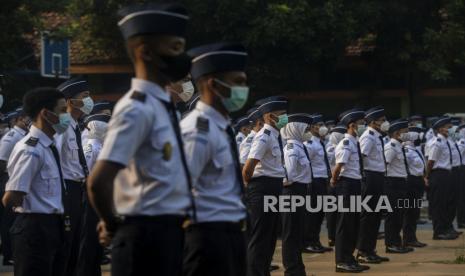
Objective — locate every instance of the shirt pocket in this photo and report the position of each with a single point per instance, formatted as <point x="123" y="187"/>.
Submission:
<point x="160" y="158"/>
<point x="223" y="163"/>
<point x="72" y="150"/>
<point x="50" y="181"/>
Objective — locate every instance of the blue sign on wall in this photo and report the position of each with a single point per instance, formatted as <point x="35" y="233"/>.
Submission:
<point x="55" y="59"/>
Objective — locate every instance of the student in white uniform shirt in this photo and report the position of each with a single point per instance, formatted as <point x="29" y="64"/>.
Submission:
<point x="257" y="123"/>
<point x="396" y="186"/>
<point x="242" y="128"/>
<point x="77" y="94"/>
<point x="374" y="164"/>
<point x="7" y="143"/>
<point x="460" y="133"/>
<point x="299" y="178"/>
<point x="334" y="138"/>
<point x="346" y="178"/>
<point x="438" y="177"/>
<point x="415" y="188"/>
<point x="104" y="108"/>
<point x="321" y="174"/>
<point x="215" y="244"/>
<point x="36" y="190"/>
<point x="263" y="174"/>
<point x="141" y="172"/>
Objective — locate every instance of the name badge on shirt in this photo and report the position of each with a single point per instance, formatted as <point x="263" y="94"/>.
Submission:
<point x="167" y="151"/>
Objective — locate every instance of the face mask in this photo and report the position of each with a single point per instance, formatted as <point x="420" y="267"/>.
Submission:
<point x="176" y="67"/>
<point x="405" y="136"/>
<point x="1" y="100"/>
<point x="88" y="105"/>
<point x="238" y="98"/>
<point x="282" y="121"/>
<point x="335" y="138"/>
<point x="419" y="125"/>
<point x="414" y="136"/>
<point x="307" y="136"/>
<point x="451" y="132"/>
<point x="97" y="129"/>
<point x="187" y="91"/>
<point x="63" y="124"/>
<point x="323" y="131"/>
<point x="385" y="126"/>
<point x="361" y="129"/>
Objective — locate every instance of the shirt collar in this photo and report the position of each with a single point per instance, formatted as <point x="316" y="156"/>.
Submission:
<point x="297" y="142"/>
<point x="150" y="88"/>
<point x="73" y="123"/>
<point x="374" y="130"/>
<point x="39" y="134"/>
<point x="252" y="132"/>
<point x="441" y="136"/>
<point x="315" y="139"/>
<point x="213" y="114"/>
<point x="20" y="130"/>
<point x="273" y="130"/>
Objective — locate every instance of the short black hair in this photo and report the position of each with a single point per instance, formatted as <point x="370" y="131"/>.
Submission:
<point x="37" y="99"/>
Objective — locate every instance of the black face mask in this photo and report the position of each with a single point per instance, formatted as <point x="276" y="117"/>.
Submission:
<point x="175" y="68"/>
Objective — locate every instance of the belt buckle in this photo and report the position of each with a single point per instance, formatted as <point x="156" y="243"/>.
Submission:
<point x="67" y="223"/>
<point x="187" y="222"/>
<point x="243" y="224"/>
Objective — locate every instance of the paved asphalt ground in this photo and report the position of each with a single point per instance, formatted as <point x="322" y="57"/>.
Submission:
<point x="435" y="259"/>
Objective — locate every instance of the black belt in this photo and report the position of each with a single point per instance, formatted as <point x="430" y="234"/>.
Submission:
<point x="397" y="177"/>
<point x="219" y="226"/>
<point x="349" y="178"/>
<point x="75" y="181"/>
<point x="440" y="170"/>
<point x="164" y="219"/>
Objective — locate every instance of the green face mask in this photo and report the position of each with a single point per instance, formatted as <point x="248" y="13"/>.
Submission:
<point x="282" y="121"/>
<point x="238" y="98"/>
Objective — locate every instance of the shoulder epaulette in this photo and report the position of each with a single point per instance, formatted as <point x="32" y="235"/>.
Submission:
<point x="138" y="96"/>
<point x="393" y="145"/>
<point x="290" y="146"/>
<point x="11" y="133"/>
<point x="310" y="142"/>
<point x="462" y="142"/>
<point x="345" y="142"/>
<point x="267" y="132"/>
<point x="438" y="140"/>
<point x="202" y="124"/>
<point x="32" y="141"/>
<point x="249" y="140"/>
<point x="371" y="132"/>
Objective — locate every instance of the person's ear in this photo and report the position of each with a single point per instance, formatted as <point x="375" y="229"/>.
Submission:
<point x="143" y="52"/>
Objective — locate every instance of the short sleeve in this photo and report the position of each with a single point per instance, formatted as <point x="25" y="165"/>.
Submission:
<point x="259" y="147"/>
<point x="23" y="168"/>
<point x="435" y="151"/>
<point x="390" y="154"/>
<point x="291" y="159"/>
<point x="197" y="151"/>
<point x="366" y="144"/>
<point x="343" y="152"/>
<point x="126" y="132"/>
<point x="6" y="147"/>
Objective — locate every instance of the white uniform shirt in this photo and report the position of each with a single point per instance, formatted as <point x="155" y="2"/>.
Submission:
<point x="331" y="151"/>
<point x="372" y="150"/>
<point x="440" y="154"/>
<point x="456" y="158"/>
<point x="244" y="148"/>
<point x="316" y="153"/>
<point x="92" y="149"/>
<point x="395" y="159"/>
<point x="461" y="145"/>
<point x="428" y="145"/>
<point x="9" y="140"/>
<point x="212" y="165"/>
<point x="415" y="160"/>
<point x="239" y="138"/>
<point x="68" y="147"/>
<point x="265" y="148"/>
<point x="347" y="154"/>
<point x="429" y="134"/>
<point x="34" y="171"/>
<point x="297" y="163"/>
<point x="141" y="137"/>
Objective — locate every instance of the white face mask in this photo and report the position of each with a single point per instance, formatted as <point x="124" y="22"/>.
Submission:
<point x="187" y="91"/>
<point x="1" y="100"/>
<point x="335" y="138"/>
<point x="361" y="129"/>
<point x="307" y="136"/>
<point x="97" y="129"/>
<point x="323" y="131"/>
<point x="385" y="126"/>
<point x="462" y="133"/>
<point x="405" y="137"/>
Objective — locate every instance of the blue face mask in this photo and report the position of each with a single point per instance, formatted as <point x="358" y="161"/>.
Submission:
<point x="238" y="98"/>
<point x="63" y="124"/>
<point x="282" y="121"/>
<point x="88" y="105"/>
